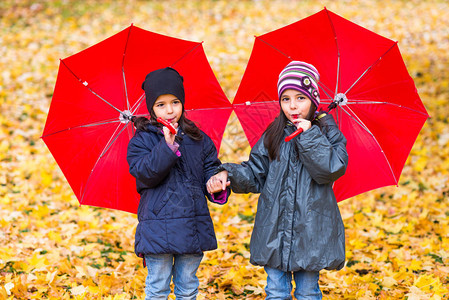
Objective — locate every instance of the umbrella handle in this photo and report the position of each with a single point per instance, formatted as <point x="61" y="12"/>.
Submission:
<point x="167" y="124"/>
<point x="291" y="136"/>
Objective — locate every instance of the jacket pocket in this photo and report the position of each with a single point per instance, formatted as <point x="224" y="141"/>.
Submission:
<point x="158" y="199"/>
<point x="159" y="205"/>
<point x="321" y="203"/>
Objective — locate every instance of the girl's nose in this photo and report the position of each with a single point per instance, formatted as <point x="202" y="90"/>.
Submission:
<point x="169" y="108"/>
<point x="293" y="104"/>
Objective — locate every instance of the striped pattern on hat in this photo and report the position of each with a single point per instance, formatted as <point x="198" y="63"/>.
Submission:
<point x="300" y="76"/>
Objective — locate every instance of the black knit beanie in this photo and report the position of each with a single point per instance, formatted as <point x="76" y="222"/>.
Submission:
<point x="161" y="82"/>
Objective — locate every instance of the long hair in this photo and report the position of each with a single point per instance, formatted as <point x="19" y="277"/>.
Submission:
<point x="274" y="134"/>
<point x="188" y="126"/>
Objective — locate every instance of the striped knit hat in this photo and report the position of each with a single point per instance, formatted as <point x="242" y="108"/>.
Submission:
<point x="302" y="77"/>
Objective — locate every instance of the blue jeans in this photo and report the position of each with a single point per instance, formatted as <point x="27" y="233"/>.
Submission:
<point x="161" y="269"/>
<point x="279" y="285"/>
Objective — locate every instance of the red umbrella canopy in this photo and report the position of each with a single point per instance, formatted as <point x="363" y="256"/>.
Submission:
<point x="97" y="92"/>
<point x="378" y="108"/>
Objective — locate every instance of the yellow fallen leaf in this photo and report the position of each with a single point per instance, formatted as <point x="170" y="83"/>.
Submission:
<point x="388" y="282"/>
<point x="425" y="281"/>
<point x="92" y="271"/>
<point x="78" y="290"/>
<point x="93" y="289"/>
<point x="420" y="164"/>
<point x="46" y="178"/>
<point x="415" y="265"/>
<point x="37" y="262"/>
<point x="55" y="236"/>
<point x="416" y="294"/>
<point x="42" y="211"/>
<point x="80" y="271"/>
<point x="8" y="287"/>
<point x="51" y="277"/>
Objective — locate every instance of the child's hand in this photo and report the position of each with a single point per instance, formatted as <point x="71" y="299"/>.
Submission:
<point x="218" y="182"/>
<point x="303" y="123"/>
<point x="169" y="137"/>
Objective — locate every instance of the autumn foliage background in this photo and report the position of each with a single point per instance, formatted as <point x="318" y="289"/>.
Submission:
<point x="397" y="238"/>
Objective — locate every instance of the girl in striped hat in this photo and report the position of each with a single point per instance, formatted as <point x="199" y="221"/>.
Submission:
<point x="298" y="229"/>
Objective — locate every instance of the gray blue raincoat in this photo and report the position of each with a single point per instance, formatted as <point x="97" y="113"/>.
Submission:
<point x="298" y="225"/>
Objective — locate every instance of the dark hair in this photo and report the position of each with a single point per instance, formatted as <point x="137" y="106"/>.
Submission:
<point x="274" y="134"/>
<point x="188" y="126"/>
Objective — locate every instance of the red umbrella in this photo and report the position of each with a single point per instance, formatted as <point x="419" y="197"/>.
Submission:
<point x="97" y="92"/>
<point x="377" y="106"/>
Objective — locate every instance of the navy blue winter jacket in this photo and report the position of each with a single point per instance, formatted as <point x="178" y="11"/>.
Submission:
<point x="173" y="214"/>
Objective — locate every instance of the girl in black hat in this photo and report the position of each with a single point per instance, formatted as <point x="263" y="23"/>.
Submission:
<point x="171" y="171"/>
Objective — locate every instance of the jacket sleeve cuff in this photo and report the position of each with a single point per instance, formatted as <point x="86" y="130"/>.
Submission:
<point x="174" y="148"/>
<point x="220" y="197"/>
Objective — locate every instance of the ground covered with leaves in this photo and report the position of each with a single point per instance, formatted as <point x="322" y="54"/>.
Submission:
<point x="397" y="238"/>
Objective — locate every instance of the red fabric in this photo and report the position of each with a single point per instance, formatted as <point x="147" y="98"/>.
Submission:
<point x="380" y="136"/>
<point x="85" y="134"/>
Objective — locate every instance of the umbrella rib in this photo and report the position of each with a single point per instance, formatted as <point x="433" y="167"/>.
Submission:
<point x="324" y="90"/>
<point x="338" y="73"/>
<point x="338" y="51"/>
<point x="370" y="67"/>
<point x="187" y="53"/>
<point x="214" y="108"/>
<point x="364" y="127"/>
<point x="135" y="108"/>
<point x="86" y="85"/>
<point x="107" y="147"/>
<point x="99" y="123"/>
<point x="83" y="126"/>
<point x="252" y="103"/>
<point x="111" y="141"/>
<point x="126" y="89"/>
<point x="288" y="56"/>
<point x="136" y="105"/>
<point x="360" y="102"/>
<point x="123" y="68"/>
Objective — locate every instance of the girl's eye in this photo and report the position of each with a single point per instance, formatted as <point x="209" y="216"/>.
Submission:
<point x="176" y="101"/>
<point x="285" y="99"/>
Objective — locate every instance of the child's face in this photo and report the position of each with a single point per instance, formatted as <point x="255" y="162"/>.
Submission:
<point x="295" y="105"/>
<point x="168" y="107"/>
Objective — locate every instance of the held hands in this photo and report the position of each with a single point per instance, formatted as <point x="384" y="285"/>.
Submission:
<point x="218" y="182"/>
